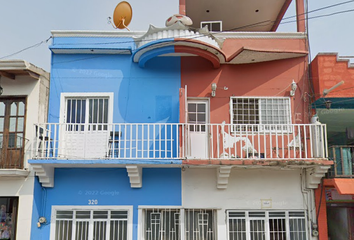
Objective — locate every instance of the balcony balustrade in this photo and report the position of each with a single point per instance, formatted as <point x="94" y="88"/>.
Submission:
<point x="12" y="151"/>
<point x="343" y="158"/>
<point x="166" y="141"/>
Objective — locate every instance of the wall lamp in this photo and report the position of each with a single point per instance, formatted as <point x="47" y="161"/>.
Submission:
<point x="293" y="88"/>
<point x="213" y="89"/>
<point x="328" y="104"/>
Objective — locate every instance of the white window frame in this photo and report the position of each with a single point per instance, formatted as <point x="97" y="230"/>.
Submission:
<point x="56" y="208"/>
<point x="64" y="96"/>
<point x="182" y="215"/>
<point x="210" y="24"/>
<point x="266" y="219"/>
<point x="263" y="130"/>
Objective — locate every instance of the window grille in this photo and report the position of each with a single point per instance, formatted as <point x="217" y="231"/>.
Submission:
<point x="165" y="224"/>
<point x="260" y="114"/>
<point x="91" y="224"/>
<point x="80" y="110"/>
<point x="197" y="116"/>
<point x="199" y="224"/>
<point x="162" y="224"/>
<point x="272" y="225"/>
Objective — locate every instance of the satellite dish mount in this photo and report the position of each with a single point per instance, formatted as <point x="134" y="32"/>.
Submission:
<point x="122" y="16"/>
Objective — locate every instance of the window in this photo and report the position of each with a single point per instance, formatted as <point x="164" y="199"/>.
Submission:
<point x="8" y="217"/>
<point x="260" y="114"/>
<point x="199" y="224"/>
<point x="91" y="224"/>
<point x="165" y="224"/>
<point x="162" y="224"/>
<point x="197" y="115"/>
<point x="12" y="128"/>
<point x="213" y="26"/>
<point x="261" y="225"/>
<point x="87" y="111"/>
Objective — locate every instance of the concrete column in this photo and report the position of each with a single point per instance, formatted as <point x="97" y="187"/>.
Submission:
<point x="300" y="12"/>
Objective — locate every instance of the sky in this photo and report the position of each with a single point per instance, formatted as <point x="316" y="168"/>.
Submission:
<point x="27" y="23"/>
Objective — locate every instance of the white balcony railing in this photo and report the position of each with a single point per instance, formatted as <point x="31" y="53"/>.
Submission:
<point x="167" y="141"/>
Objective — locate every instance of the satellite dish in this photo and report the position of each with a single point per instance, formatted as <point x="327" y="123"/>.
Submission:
<point x="122" y="15"/>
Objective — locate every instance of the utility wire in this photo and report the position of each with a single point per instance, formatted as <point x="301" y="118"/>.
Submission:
<point x="22" y="50"/>
<point x="257" y="24"/>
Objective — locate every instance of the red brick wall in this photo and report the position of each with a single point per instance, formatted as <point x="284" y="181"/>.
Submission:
<point x="327" y="72"/>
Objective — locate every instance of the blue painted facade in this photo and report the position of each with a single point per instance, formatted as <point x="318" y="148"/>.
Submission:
<point x="141" y="95"/>
<point x="109" y="186"/>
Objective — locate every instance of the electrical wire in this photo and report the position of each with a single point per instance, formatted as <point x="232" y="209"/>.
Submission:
<point x="238" y="28"/>
<point x="22" y="50"/>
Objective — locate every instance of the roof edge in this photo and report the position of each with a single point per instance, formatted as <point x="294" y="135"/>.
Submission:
<point x="95" y="33"/>
<point x="270" y="35"/>
<point x="112" y="34"/>
<point x="16" y="64"/>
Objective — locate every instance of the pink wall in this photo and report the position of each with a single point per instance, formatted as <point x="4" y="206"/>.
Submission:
<point x="257" y="79"/>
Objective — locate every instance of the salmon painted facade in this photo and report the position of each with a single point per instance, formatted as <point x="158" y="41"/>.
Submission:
<point x="333" y="81"/>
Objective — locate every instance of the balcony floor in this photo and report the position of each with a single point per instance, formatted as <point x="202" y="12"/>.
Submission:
<point x="260" y="162"/>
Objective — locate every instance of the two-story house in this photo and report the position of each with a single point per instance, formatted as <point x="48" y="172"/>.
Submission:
<point x="181" y="132"/>
<point x="24" y="90"/>
<point x="333" y="80"/>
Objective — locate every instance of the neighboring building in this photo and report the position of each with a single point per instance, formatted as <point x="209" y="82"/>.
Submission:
<point x="335" y="196"/>
<point x="181" y="133"/>
<point x="24" y="90"/>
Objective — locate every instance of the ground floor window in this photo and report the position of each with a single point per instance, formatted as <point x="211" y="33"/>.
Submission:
<point x="109" y="223"/>
<point x="8" y="217"/>
<point x="175" y="224"/>
<point x="262" y="225"/>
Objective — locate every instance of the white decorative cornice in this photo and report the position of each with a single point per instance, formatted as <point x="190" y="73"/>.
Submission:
<point x="5" y="173"/>
<point x="177" y="30"/>
<point x="21" y="65"/>
<point x="102" y="34"/>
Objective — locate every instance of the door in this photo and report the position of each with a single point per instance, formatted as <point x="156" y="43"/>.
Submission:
<point x="198" y="117"/>
<point x="12" y="127"/>
<point x="86" y="128"/>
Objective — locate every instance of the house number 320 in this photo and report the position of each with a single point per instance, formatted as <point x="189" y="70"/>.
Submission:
<point x="92" y="201"/>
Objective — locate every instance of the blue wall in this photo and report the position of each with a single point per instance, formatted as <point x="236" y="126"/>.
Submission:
<point x="161" y="186"/>
<point x="141" y="95"/>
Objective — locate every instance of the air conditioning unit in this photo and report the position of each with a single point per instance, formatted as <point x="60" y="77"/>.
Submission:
<point x="213" y="26"/>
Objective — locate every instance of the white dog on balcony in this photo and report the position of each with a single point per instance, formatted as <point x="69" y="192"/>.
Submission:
<point x="229" y="142"/>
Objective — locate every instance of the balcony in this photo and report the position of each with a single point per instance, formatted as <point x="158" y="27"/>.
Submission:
<point x="343" y="158"/>
<point x="12" y="151"/>
<point x="174" y="141"/>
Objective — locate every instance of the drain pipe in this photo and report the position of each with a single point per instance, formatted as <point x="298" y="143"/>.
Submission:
<point x="309" y="200"/>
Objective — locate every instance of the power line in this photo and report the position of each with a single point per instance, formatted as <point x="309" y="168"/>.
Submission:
<point x="319" y="9"/>
<point x="257" y="24"/>
<point x="22" y="50"/>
